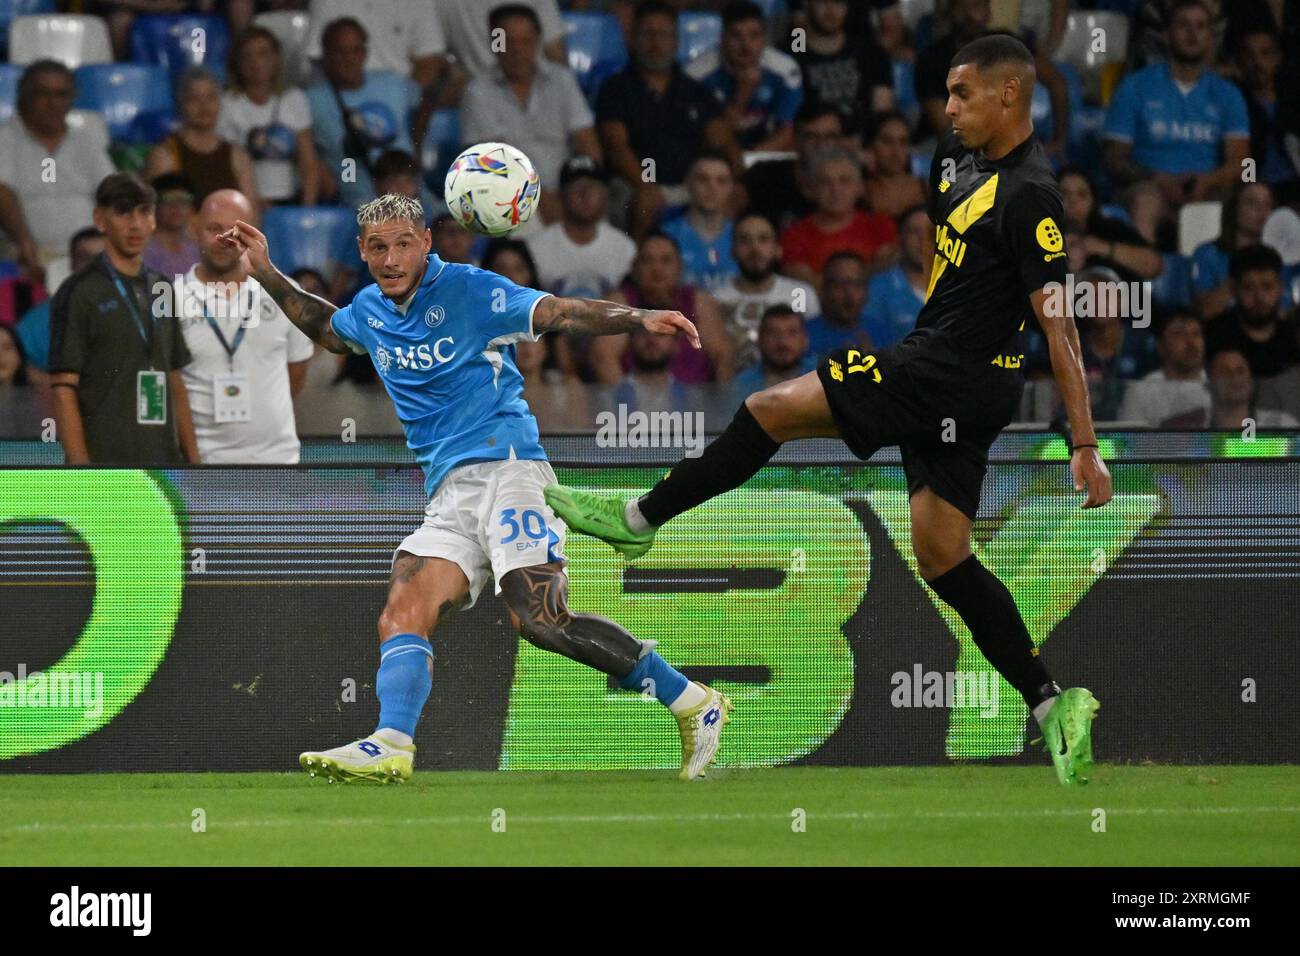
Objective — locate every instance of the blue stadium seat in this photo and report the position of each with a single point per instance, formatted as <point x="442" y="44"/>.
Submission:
<point x="126" y="94"/>
<point x="905" y="90"/>
<point x="697" y="32"/>
<point x="1118" y="212"/>
<point x="310" y="237"/>
<point x="1173" y="288"/>
<point x="9" y="74"/>
<point x="19" y="8"/>
<point x="441" y="145"/>
<point x="596" y="49"/>
<point x="772" y="8"/>
<point x="169" y="41"/>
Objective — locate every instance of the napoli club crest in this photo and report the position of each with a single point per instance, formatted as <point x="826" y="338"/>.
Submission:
<point x="433" y="318"/>
<point x="383" y="359"/>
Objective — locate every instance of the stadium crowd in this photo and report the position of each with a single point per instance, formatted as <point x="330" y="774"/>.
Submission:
<point x="762" y="167"/>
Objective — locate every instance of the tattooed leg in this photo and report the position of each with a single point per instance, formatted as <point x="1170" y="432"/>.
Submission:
<point x="537" y="600"/>
<point x="421" y="593"/>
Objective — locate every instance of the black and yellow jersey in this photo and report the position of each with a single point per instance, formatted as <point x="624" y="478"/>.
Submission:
<point x="997" y="239"/>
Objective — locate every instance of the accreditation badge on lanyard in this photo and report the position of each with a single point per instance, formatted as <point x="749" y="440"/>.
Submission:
<point x="150" y="384"/>
<point x="231" y="401"/>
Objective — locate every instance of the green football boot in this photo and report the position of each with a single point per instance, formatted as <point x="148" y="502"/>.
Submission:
<point x="601" y="516"/>
<point x="1067" y="733"/>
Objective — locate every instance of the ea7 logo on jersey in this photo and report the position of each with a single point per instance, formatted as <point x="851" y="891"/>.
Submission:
<point x="426" y="356"/>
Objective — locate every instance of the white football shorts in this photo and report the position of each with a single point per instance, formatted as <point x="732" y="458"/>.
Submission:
<point x="490" y="517"/>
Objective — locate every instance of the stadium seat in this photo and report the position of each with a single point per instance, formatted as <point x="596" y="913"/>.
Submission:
<point x="1118" y="212"/>
<point x="905" y="90"/>
<point x="10" y="9"/>
<point x="171" y="41"/>
<point x="310" y="237"/>
<point x="1077" y="46"/>
<point x="70" y="38"/>
<point x="123" y="94"/>
<point x="1172" y="289"/>
<point x="697" y="32"/>
<point x="773" y="8"/>
<point x="1198" y="222"/>
<point x="596" y="49"/>
<point x="9" y="74"/>
<point x="441" y="145"/>
<point x="290" y="28"/>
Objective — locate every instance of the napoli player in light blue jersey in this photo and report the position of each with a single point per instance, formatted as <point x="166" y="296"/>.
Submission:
<point x="441" y="338"/>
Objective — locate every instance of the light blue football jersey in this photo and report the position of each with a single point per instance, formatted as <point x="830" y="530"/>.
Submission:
<point x="448" y="363"/>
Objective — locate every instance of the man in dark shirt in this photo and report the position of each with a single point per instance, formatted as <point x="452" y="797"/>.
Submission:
<point x="970" y="20"/>
<point x="846" y="71"/>
<point x="943" y="393"/>
<point x="1256" y="326"/>
<point x="116" y="347"/>
<point x="653" y="119"/>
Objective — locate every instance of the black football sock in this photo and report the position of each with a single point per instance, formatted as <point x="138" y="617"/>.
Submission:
<point x="989" y="610"/>
<point x="728" y="462"/>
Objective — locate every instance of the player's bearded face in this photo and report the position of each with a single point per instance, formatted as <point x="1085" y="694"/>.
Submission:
<point x="395" y="254"/>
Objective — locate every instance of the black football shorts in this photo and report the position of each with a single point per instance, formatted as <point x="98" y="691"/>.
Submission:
<point x="943" y="412"/>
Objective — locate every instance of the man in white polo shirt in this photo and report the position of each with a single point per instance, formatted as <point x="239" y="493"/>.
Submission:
<point x="51" y="167"/>
<point x="249" y="360"/>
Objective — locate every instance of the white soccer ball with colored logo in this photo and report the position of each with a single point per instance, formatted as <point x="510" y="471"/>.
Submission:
<point x="492" y="189"/>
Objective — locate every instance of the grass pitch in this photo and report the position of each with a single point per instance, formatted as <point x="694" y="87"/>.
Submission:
<point x="963" y="815"/>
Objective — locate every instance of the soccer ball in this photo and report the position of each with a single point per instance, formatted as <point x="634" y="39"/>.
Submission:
<point x="492" y="189"/>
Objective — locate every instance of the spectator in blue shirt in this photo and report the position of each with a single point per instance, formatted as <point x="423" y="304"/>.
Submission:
<point x="357" y="113"/>
<point x="1179" y="124"/>
<point x="762" y="87"/>
<point x="843" y="298"/>
<point x="703" y="229"/>
<point x="895" y="296"/>
<point x="33" y="328"/>
<point x="1244" y="215"/>
<point x="782" y="349"/>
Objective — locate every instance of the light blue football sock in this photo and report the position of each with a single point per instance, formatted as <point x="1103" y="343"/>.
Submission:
<point x="668" y="681"/>
<point x="404" y="682"/>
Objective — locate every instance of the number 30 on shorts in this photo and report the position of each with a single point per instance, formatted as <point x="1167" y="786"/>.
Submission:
<point x="531" y="523"/>
<point x="865" y="364"/>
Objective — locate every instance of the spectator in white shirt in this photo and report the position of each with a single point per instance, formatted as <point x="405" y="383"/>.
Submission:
<point x="271" y="121"/>
<point x="48" y="168"/>
<point x="248" y="358"/>
<point x="1176" y="394"/>
<point x="469" y="38"/>
<point x="758" y="287"/>
<point x="533" y="104"/>
<point x="582" y="255"/>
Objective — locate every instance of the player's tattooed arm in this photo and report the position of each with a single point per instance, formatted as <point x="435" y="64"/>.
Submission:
<point x="310" y="313"/>
<point x="1086" y="466"/>
<point x="599" y="317"/>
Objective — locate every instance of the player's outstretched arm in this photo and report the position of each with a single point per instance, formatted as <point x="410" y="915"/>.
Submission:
<point x="308" y="312"/>
<point x="598" y="317"/>
<point x="1086" y="466"/>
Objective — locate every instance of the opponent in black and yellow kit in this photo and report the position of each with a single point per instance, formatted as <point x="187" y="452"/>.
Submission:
<point x="945" y="391"/>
